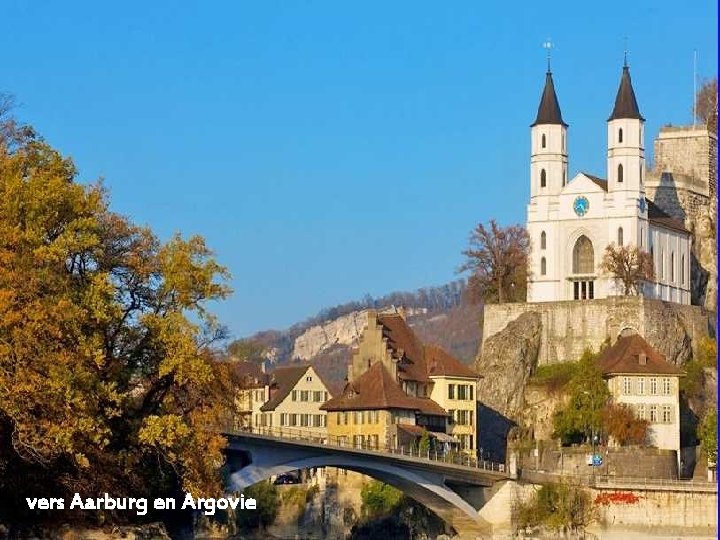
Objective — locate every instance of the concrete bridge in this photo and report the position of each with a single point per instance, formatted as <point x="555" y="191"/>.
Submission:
<point x="454" y="489"/>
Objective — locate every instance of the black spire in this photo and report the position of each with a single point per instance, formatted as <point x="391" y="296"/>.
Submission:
<point x="549" y="109"/>
<point x="625" y="103"/>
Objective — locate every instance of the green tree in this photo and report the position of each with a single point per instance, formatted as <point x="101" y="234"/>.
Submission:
<point x="588" y="394"/>
<point x="707" y="433"/>
<point x="268" y="504"/>
<point x="107" y="378"/>
<point x="424" y="443"/>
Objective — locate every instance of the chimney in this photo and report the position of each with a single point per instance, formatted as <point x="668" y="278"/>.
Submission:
<point x="642" y="359"/>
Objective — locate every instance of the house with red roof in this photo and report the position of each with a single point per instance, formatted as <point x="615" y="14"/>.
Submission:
<point x="639" y="376"/>
<point x="398" y="388"/>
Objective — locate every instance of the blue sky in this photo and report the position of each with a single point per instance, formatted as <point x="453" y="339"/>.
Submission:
<point x="332" y="149"/>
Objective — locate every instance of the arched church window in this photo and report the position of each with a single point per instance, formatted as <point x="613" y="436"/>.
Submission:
<point x="620" y="236"/>
<point x="641" y="174"/>
<point x="542" y="141"/>
<point x="620" y="174"/>
<point x="543" y="240"/>
<point x="682" y="269"/>
<point x="543" y="178"/>
<point x="672" y="266"/>
<point x="543" y="267"/>
<point x="620" y="135"/>
<point x="583" y="256"/>
<point x="662" y="264"/>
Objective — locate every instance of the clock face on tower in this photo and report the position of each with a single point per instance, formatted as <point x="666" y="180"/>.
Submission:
<point x="581" y="206"/>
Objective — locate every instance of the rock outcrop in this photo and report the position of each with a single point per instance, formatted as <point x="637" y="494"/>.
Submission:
<point x="507" y="360"/>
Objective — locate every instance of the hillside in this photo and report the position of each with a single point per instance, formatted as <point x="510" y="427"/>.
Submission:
<point x="439" y="315"/>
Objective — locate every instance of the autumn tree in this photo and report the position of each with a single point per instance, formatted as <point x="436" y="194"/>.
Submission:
<point x="497" y="259"/>
<point x="706" y="104"/>
<point x="629" y="266"/>
<point x="623" y="426"/>
<point x="107" y="376"/>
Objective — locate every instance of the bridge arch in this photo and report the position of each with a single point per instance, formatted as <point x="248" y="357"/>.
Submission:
<point x="427" y="488"/>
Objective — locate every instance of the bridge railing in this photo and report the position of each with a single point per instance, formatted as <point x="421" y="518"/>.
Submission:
<point x="319" y="436"/>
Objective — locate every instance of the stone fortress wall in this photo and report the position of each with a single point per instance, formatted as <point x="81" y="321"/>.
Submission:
<point x="683" y="183"/>
<point x="569" y="327"/>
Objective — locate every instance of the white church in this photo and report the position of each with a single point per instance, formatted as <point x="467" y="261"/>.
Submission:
<point x="570" y="223"/>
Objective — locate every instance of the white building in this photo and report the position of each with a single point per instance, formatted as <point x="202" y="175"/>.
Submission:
<point x="570" y="223"/>
<point x="639" y="376"/>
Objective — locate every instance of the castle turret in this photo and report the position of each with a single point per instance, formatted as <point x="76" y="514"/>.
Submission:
<point x="548" y="162"/>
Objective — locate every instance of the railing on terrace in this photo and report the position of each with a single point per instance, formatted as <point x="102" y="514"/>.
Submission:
<point x="605" y="481"/>
<point x="321" y="437"/>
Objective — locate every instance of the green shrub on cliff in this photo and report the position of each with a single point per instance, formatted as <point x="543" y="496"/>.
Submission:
<point x="379" y="499"/>
<point x="554" y="376"/>
<point x="558" y="507"/>
<point x="268" y="504"/>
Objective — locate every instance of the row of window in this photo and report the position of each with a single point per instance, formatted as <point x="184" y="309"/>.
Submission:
<point x="461" y="417"/>
<point x="461" y="391"/>
<point x="357" y="418"/>
<point x="543" y="141"/>
<point x="303" y="420"/>
<point x="652" y="386"/>
<point x="663" y="264"/>
<point x="259" y="395"/>
<point x="360" y="441"/>
<point x="467" y="442"/>
<point x="263" y="419"/>
<point x="655" y="414"/>
<point x="317" y="396"/>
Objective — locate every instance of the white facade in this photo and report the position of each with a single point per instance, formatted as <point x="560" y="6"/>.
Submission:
<point x="570" y="223"/>
<point x="655" y="398"/>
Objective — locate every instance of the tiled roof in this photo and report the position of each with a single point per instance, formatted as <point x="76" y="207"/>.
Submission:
<point x="549" y="109"/>
<point x="401" y="339"/>
<point x="624" y="357"/>
<point x="282" y="381"/>
<point x="441" y="363"/>
<point x="376" y="389"/>
<point x="661" y="219"/>
<point x="625" y="103"/>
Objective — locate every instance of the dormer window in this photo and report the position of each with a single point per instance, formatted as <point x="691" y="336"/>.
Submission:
<point x="642" y="359"/>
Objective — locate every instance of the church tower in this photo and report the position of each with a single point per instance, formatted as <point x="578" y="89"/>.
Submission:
<point x="626" y="146"/>
<point x="548" y="162"/>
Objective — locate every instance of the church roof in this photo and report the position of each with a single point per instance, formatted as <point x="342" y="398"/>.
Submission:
<point x="549" y="109"/>
<point x="661" y="219"/>
<point x="599" y="182"/>
<point x="633" y="355"/>
<point x="625" y="103"/>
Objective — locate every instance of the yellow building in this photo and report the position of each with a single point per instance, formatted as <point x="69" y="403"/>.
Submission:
<point x="398" y="388"/>
<point x="251" y="382"/>
<point x="640" y="376"/>
<point x="294" y="396"/>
